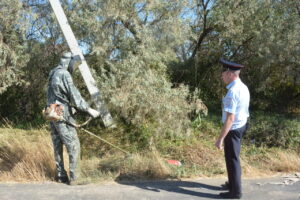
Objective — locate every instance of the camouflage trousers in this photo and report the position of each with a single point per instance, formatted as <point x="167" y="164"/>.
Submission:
<point x="64" y="134"/>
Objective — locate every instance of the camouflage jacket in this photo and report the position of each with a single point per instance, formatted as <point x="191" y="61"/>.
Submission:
<point x="62" y="90"/>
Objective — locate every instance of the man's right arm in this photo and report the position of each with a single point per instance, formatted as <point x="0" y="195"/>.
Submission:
<point x="225" y="129"/>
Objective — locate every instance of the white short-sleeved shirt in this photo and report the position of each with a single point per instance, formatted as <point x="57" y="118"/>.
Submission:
<point x="236" y="102"/>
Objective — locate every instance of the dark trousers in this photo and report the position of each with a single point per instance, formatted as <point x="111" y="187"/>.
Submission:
<point x="232" y="147"/>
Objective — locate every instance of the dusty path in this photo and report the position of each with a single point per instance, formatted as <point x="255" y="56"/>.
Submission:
<point x="258" y="189"/>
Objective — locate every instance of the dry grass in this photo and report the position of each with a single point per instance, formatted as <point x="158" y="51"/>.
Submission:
<point x="285" y="161"/>
<point x="119" y="167"/>
<point x="149" y="165"/>
<point x="266" y="162"/>
<point x="27" y="155"/>
<point x="209" y="161"/>
<point x="204" y="160"/>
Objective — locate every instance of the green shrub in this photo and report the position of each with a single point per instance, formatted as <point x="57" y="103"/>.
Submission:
<point x="274" y="130"/>
<point x="142" y="96"/>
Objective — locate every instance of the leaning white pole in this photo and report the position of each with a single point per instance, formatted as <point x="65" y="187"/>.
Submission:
<point x="84" y="69"/>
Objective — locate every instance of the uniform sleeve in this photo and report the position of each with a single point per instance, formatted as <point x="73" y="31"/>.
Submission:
<point x="230" y="103"/>
<point x="73" y="93"/>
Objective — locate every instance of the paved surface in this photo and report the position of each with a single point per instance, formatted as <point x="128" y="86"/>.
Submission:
<point x="258" y="189"/>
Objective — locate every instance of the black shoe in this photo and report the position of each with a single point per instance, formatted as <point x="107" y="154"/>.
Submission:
<point x="228" y="195"/>
<point x="225" y="186"/>
<point x="63" y="179"/>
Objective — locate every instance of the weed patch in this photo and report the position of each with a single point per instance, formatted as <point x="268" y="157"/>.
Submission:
<point x="27" y="155"/>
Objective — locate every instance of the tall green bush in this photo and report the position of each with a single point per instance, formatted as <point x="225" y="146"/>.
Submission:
<point x="141" y="96"/>
<point x="13" y="55"/>
<point x="274" y="130"/>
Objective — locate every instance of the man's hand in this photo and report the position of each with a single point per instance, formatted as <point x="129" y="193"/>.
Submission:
<point x="219" y="143"/>
<point x="225" y="129"/>
<point x="94" y="113"/>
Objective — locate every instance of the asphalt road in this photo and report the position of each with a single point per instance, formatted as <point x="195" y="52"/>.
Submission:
<point x="254" y="189"/>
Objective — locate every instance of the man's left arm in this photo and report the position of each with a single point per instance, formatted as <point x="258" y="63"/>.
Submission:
<point x="74" y="95"/>
<point x="225" y="129"/>
<point x="77" y="99"/>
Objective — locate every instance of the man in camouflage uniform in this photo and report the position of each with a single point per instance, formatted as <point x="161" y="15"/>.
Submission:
<point x="62" y="91"/>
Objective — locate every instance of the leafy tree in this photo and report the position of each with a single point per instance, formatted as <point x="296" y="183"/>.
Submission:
<point x="263" y="35"/>
<point x="34" y="55"/>
<point x="149" y="56"/>
<point x="13" y="54"/>
<point x="131" y="44"/>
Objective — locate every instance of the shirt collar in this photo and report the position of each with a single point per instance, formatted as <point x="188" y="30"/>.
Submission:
<point x="232" y="83"/>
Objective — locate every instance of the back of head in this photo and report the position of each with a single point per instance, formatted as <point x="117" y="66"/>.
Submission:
<point x="65" y="59"/>
<point x="231" y="66"/>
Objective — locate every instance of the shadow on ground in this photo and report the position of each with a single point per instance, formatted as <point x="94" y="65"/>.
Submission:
<point x="182" y="187"/>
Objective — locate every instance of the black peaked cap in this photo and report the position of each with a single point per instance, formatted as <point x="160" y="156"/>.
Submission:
<point x="230" y="65"/>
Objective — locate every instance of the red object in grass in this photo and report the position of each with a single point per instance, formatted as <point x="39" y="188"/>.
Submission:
<point x="174" y="162"/>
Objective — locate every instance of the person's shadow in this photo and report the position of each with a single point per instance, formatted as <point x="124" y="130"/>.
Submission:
<point x="176" y="186"/>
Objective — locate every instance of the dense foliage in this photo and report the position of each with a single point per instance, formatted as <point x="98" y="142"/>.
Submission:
<point x="153" y="59"/>
<point x="13" y="56"/>
<point x="274" y="130"/>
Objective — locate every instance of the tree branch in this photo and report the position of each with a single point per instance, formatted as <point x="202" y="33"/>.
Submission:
<point x="200" y="40"/>
<point x="158" y="19"/>
<point x="206" y="30"/>
<point x="131" y="28"/>
<point x="240" y="46"/>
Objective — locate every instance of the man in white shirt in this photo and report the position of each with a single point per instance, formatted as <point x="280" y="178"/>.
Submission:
<point x="235" y="113"/>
